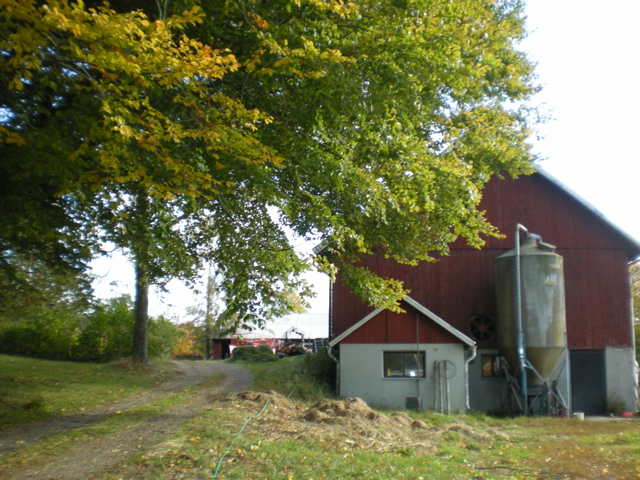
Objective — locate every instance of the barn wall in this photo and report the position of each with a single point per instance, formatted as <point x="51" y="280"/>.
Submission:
<point x="549" y="211"/>
<point x="361" y="375"/>
<point x="462" y="284"/>
<point x="454" y="288"/>
<point x="622" y="376"/>
<point x="484" y="391"/>
<point x="597" y="292"/>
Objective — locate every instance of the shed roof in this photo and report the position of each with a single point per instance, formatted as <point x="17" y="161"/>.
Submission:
<point x="420" y="308"/>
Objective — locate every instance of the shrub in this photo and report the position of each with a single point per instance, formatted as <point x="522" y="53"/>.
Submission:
<point x="103" y="335"/>
<point x="163" y="336"/>
<point x="321" y="369"/>
<point x="50" y="333"/>
<point x="249" y="354"/>
<point x="107" y="334"/>
<point x="614" y="405"/>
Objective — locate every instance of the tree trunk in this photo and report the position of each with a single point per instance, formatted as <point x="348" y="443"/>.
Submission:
<point x="140" y="347"/>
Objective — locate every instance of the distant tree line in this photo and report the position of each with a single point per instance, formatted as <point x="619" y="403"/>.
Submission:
<point x="101" y="333"/>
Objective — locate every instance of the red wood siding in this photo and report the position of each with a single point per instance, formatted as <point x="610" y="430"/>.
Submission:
<point x="462" y="284"/>
<point x="390" y="327"/>
<point x="597" y="295"/>
<point x="454" y="288"/>
<point x="548" y="211"/>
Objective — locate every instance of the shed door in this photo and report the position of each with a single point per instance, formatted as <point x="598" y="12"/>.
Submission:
<point x="588" y="381"/>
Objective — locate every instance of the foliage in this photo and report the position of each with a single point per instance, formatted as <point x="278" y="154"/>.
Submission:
<point x="307" y="377"/>
<point x="107" y="333"/>
<point x="49" y="333"/>
<point x="188" y="345"/>
<point x="388" y="145"/>
<point x="163" y="335"/>
<point x="250" y="354"/>
<point x="100" y="335"/>
<point x="614" y="406"/>
<point x="321" y="369"/>
<point x="211" y="133"/>
<point x="29" y="287"/>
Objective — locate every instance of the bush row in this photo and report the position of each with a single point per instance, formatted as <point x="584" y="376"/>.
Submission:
<point x="100" y="335"/>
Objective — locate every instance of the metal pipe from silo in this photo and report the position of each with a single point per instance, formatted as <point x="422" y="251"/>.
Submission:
<point x="542" y="306"/>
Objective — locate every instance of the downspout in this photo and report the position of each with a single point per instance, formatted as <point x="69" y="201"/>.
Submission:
<point x="471" y="354"/>
<point x="519" y="332"/>
<point x="521" y="344"/>
<point x="418" y="359"/>
<point x="335" y="359"/>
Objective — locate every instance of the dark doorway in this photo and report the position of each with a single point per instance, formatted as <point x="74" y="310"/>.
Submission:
<point x="220" y="347"/>
<point x="588" y="381"/>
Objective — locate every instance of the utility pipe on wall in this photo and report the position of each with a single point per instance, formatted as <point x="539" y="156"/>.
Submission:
<point x="470" y="354"/>
<point x="521" y="341"/>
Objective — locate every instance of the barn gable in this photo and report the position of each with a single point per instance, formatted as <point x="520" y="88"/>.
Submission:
<point x="415" y="324"/>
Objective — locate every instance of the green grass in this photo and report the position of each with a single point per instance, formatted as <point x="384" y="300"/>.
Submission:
<point x="33" y="389"/>
<point x="280" y="444"/>
<point x="540" y="448"/>
<point x="290" y="377"/>
<point x="232" y="441"/>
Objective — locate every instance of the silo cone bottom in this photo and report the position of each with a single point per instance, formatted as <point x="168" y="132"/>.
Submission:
<point x="544" y="360"/>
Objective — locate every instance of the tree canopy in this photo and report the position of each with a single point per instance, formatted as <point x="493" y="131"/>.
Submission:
<point x="206" y="131"/>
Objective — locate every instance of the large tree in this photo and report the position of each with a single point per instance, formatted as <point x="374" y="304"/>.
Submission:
<point x="391" y="117"/>
<point x="371" y="126"/>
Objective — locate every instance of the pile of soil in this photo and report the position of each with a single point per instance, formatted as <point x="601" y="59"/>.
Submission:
<point x="347" y="424"/>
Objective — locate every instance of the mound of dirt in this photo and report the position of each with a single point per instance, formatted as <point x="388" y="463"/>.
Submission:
<point x="342" y="412"/>
<point x="349" y="424"/>
<point x="271" y="398"/>
<point x="405" y="420"/>
<point x="478" y="436"/>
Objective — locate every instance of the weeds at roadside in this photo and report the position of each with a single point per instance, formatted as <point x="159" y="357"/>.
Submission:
<point x="303" y="377"/>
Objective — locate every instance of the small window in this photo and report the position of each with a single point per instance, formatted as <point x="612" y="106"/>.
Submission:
<point x="404" y="365"/>
<point x="490" y="366"/>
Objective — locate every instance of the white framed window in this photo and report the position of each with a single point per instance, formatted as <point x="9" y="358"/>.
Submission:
<point x="404" y="364"/>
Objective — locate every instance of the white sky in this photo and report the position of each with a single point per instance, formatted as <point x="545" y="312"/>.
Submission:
<point x="588" y="56"/>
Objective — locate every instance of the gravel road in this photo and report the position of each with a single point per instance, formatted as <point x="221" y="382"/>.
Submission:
<point x="101" y="452"/>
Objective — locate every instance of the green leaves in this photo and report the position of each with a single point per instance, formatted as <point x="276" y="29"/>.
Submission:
<point x="372" y="125"/>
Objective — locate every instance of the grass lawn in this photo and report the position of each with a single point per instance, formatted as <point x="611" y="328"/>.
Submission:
<point x="33" y="389"/>
<point x="288" y="434"/>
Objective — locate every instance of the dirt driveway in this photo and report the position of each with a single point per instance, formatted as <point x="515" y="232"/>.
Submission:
<point x="98" y="454"/>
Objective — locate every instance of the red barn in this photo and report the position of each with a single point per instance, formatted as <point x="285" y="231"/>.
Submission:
<point x="460" y="289"/>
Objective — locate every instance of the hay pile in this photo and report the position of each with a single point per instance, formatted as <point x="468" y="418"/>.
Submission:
<point x="347" y="424"/>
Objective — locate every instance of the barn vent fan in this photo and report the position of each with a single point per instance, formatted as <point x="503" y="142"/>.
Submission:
<point x="483" y="327"/>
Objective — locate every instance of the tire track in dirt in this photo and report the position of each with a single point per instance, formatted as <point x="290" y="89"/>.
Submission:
<point x="98" y="454"/>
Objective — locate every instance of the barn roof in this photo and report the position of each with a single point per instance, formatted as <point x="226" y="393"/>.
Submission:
<point x="634" y="243"/>
<point x="420" y="308"/>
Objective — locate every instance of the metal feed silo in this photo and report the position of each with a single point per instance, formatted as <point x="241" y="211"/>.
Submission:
<point x="534" y="304"/>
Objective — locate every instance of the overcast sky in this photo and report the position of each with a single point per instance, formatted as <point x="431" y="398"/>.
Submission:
<point x="588" y="56"/>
